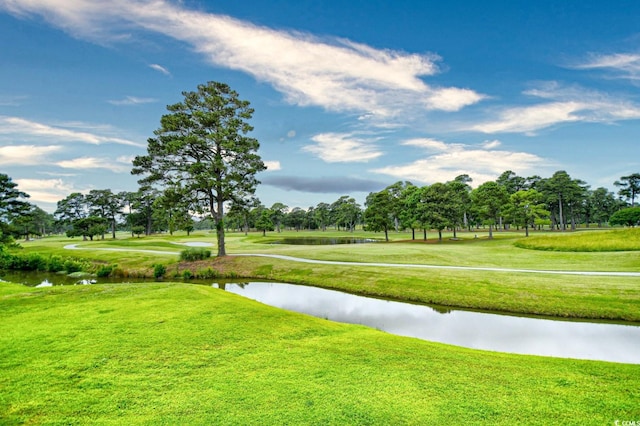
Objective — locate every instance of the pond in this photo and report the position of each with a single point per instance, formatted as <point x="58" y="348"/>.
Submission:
<point x="487" y="331"/>
<point x="321" y="241"/>
<point x="477" y="330"/>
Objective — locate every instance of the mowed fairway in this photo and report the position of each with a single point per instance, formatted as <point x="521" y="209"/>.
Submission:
<point x="170" y="353"/>
<point x="571" y="296"/>
<point x="177" y="353"/>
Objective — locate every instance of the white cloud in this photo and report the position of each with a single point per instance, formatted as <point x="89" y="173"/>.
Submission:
<point x="132" y="100"/>
<point x="26" y="155"/>
<point x="291" y="134"/>
<point x="93" y="163"/>
<point x="531" y="118"/>
<point x="160" y="68"/>
<point x="27" y="129"/>
<point x="567" y="104"/>
<point x="343" y="148"/>
<point x="491" y="144"/>
<point x="307" y="70"/>
<point x="272" y="166"/>
<point x="449" y="160"/>
<point x="626" y="65"/>
<point x="126" y="159"/>
<point x="427" y="143"/>
<point x="45" y="190"/>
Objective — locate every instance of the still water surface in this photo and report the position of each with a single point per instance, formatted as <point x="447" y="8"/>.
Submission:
<point x="488" y="331"/>
<point x="504" y="333"/>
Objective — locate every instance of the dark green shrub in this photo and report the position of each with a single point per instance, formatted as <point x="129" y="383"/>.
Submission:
<point x="187" y="274"/>
<point x="72" y="266"/>
<point x="35" y="262"/>
<point x="208" y="273"/>
<point x="105" y="271"/>
<point x="159" y="270"/>
<point x="56" y="264"/>
<point x="195" y="253"/>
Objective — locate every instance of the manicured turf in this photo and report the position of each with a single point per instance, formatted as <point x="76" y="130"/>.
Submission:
<point x="617" y="240"/>
<point x="170" y="353"/>
<point x="592" y="297"/>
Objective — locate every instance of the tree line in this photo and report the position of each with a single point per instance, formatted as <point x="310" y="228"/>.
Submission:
<point x="200" y="171"/>
<point x="559" y="202"/>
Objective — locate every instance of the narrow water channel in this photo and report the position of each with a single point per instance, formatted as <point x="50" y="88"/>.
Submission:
<point x="503" y="333"/>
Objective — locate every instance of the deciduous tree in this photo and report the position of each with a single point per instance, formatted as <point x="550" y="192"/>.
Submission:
<point x="489" y="200"/>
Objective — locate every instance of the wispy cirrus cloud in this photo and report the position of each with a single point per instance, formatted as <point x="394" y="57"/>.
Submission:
<point x="46" y="190"/>
<point x="565" y="104"/>
<point x="28" y="129"/>
<point x="445" y="161"/>
<point x="94" y="163"/>
<point x="620" y="65"/>
<point x="26" y="155"/>
<point x="160" y="68"/>
<point x="343" y="148"/>
<point x="132" y="100"/>
<point x="382" y="84"/>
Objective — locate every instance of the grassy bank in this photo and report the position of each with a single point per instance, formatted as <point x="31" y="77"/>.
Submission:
<point x="590" y="297"/>
<point x="600" y="241"/>
<point x="183" y="354"/>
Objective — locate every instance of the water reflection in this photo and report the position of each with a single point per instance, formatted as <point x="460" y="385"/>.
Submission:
<point x="583" y="340"/>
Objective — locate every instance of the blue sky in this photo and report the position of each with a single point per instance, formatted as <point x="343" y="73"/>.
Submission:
<point x="349" y="96"/>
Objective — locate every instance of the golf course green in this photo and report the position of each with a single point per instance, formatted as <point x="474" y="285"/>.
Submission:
<point x="174" y="353"/>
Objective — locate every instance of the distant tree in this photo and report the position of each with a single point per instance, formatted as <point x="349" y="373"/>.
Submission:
<point x="629" y="187"/>
<point x="12" y="204"/>
<point x="71" y="209"/>
<point x="397" y="193"/>
<point x="628" y="217"/>
<point x="105" y="204"/>
<point x="511" y="182"/>
<point x="240" y="209"/>
<point x="34" y="221"/>
<point x="278" y="212"/>
<point x="409" y="215"/>
<point x="296" y="218"/>
<point x="562" y="193"/>
<point x="142" y="203"/>
<point x="437" y="207"/>
<point x="599" y="205"/>
<point x="379" y="213"/>
<point x="489" y="200"/>
<point x="525" y="207"/>
<point x="202" y="145"/>
<point x="322" y="215"/>
<point x="88" y="227"/>
<point x="172" y="208"/>
<point x="459" y="200"/>
<point x="263" y="222"/>
<point x="346" y="212"/>
<point x="310" y="218"/>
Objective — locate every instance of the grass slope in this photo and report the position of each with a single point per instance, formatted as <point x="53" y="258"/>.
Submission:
<point x="590" y="297"/>
<point x="183" y="354"/>
<point x="616" y="240"/>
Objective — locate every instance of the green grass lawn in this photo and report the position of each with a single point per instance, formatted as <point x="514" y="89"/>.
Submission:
<point x="170" y="353"/>
<point x="591" y="297"/>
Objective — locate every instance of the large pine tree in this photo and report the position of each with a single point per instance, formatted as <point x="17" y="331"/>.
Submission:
<point x="202" y="147"/>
